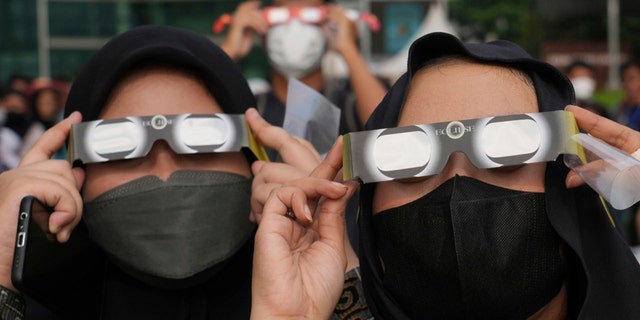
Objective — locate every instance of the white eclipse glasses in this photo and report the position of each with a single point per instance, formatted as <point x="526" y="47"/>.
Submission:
<point x="423" y="150"/>
<point x="492" y="142"/>
<point x="312" y="15"/>
<point x="133" y="137"/>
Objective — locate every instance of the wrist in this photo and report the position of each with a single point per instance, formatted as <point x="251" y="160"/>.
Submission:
<point x="11" y="304"/>
<point x="5" y="278"/>
<point x="352" y="303"/>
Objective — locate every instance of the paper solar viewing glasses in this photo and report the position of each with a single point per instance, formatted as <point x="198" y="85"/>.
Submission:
<point x="492" y="142"/>
<point x="384" y="154"/>
<point x="312" y="15"/>
<point x="133" y="137"/>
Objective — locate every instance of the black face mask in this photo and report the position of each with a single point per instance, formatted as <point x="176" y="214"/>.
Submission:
<point x="470" y="250"/>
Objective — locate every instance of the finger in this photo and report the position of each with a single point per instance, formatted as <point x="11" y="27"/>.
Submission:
<point x="289" y="147"/>
<point x="312" y="150"/>
<point x="79" y="175"/>
<point x="51" y="141"/>
<point x="268" y="176"/>
<point x="573" y="180"/>
<point x="261" y="187"/>
<point x="597" y="168"/>
<point x="331" y="222"/>
<point x="282" y="199"/>
<point x="313" y="189"/>
<point x="54" y="191"/>
<point x="259" y="23"/>
<point x="613" y="133"/>
<point x="277" y="172"/>
<point x="66" y="215"/>
<point x="62" y="194"/>
<point x="332" y="163"/>
<point x="259" y="196"/>
<point x="253" y="217"/>
<point x="56" y="171"/>
<point x="256" y="166"/>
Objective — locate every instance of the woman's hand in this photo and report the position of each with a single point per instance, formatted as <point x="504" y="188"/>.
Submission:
<point x="298" y="156"/>
<point x="300" y="254"/>
<point x="51" y="181"/>
<point x="611" y="132"/>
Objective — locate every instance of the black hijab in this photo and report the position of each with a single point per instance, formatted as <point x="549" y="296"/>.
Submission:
<point x="604" y="276"/>
<point x="164" y="45"/>
<point x="228" y="294"/>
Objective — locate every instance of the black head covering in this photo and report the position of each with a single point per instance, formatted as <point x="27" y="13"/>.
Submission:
<point x="604" y="276"/>
<point x="158" y="44"/>
<point x="228" y="294"/>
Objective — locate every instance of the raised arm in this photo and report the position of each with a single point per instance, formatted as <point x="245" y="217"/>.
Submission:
<point x="367" y="88"/>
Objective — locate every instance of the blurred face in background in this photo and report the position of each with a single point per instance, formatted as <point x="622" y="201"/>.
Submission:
<point x="295" y="48"/>
<point x="631" y="84"/>
<point x="15" y="102"/>
<point x="584" y="82"/>
<point x="298" y="3"/>
<point x="47" y="104"/>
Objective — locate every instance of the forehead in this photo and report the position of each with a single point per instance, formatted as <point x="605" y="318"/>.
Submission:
<point x="14" y="98"/>
<point x="580" y="71"/>
<point x="159" y="90"/>
<point x="461" y="89"/>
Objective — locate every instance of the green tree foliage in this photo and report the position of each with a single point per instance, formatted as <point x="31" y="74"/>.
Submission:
<point x="532" y="22"/>
<point x="486" y="19"/>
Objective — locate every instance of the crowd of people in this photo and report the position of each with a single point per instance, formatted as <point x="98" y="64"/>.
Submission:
<point x="193" y="222"/>
<point x="28" y="107"/>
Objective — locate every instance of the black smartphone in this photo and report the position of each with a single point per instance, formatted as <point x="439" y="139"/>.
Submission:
<point x="50" y="272"/>
<point x="37" y="252"/>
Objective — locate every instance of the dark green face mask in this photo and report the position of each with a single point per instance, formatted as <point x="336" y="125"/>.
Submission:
<point x="173" y="234"/>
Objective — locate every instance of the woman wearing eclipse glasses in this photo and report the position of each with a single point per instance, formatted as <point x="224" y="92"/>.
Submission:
<point x="468" y="208"/>
<point x="157" y="125"/>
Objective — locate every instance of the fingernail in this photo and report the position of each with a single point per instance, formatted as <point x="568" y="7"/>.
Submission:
<point x="54" y="229"/>
<point x="252" y="112"/>
<point x="63" y="236"/>
<point x="570" y="182"/>
<point x="307" y="213"/>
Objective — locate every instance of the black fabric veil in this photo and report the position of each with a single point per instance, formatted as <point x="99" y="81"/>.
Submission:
<point x="604" y="276"/>
<point x="162" y="44"/>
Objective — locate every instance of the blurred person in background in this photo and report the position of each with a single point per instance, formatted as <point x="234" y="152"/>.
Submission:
<point x="19" y="82"/>
<point x="16" y="118"/>
<point x="296" y="48"/>
<point x="628" y="112"/>
<point x="583" y="78"/>
<point x="47" y="101"/>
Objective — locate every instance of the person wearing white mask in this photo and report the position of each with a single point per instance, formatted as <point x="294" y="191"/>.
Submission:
<point x="295" y="35"/>
<point x="295" y="40"/>
<point x="583" y="78"/>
